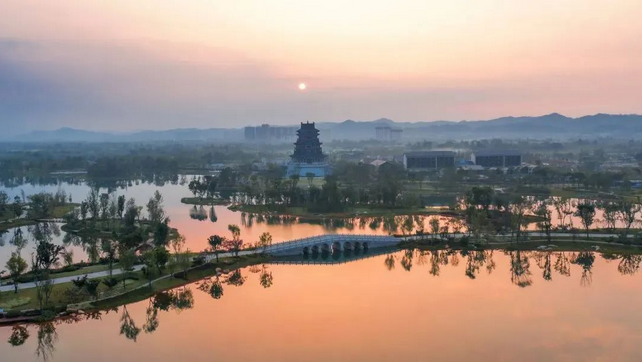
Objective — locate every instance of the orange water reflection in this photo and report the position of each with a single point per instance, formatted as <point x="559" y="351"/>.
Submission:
<point x="362" y="311"/>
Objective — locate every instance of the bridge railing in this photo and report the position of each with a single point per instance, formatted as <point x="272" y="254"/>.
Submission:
<point x="311" y="240"/>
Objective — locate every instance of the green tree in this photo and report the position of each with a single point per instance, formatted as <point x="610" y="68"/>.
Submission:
<point x="216" y="243"/>
<point x="161" y="258"/>
<point x="586" y="211"/>
<point x="127" y="259"/>
<point x="265" y="240"/>
<point x="16" y="265"/>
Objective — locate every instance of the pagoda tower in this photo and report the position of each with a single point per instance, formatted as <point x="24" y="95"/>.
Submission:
<point x="308" y="157"/>
<point x="308" y="148"/>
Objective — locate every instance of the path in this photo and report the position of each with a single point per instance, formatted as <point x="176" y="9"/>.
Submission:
<point x="99" y="274"/>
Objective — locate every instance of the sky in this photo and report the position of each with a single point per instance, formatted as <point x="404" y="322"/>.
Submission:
<point x="159" y="64"/>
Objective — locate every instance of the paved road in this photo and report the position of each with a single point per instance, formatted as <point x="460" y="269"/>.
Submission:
<point x="93" y="275"/>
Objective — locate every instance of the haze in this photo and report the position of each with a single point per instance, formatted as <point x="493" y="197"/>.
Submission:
<point x="124" y="65"/>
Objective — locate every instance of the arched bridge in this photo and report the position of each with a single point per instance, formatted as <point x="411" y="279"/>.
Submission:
<point x="331" y="243"/>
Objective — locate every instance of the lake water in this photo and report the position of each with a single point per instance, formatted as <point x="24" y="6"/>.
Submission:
<point x="404" y="306"/>
<point x="198" y="223"/>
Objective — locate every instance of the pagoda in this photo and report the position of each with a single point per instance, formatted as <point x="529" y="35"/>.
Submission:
<point x="308" y="157"/>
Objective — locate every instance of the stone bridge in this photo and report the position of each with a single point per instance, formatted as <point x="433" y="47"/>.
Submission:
<point x="331" y="243"/>
<point x="347" y="256"/>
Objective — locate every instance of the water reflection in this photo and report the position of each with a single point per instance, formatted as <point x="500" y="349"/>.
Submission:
<point x="524" y="267"/>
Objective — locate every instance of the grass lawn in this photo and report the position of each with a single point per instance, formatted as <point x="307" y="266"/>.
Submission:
<point x="58" y="296"/>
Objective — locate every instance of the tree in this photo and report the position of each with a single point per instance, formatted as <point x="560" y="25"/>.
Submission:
<point x="161" y="257"/>
<point x="518" y="209"/>
<point x="216" y="242"/>
<point x="181" y="258"/>
<point x="610" y="213"/>
<point x="132" y="213"/>
<point x="265" y="240"/>
<point x="68" y="257"/>
<point x="121" y="206"/>
<point x="93" y="204"/>
<point x="109" y="250"/>
<point x="16" y="207"/>
<point x="155" y="211"/>
<point x="104" y="205"/>
<point x="544" y="224"/>
<point x="47" y="254"/>
<point x="149" y="259"/>
<point x="628" y="212"/>
<point x="127" y="259"/>
<point x="235" y="243"/>
<point x="434" y="223"/>
<point x="16" y="266"/>
<point x="586" y="211"/>
<point x="161" y="233"/>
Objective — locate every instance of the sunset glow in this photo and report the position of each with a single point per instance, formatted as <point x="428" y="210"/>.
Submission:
<point x="120" y="63"/>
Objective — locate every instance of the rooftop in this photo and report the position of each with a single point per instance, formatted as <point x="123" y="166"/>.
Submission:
<point x="496" y="153"/>
<point x="430" y="154"/>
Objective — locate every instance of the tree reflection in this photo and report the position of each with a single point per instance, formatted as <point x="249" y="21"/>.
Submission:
<point x="128" y="327"/>
<point x="586" y="260"/>
<point x="389" y="262"/>
<point x="629" y="264"/>
<point x="543" y="260"/>
<point x="407" y="260"/>
<point x="235" y="278"/>
<point x="19" y="335"/>
<point x="265" y="278"/>
<point x="520" y="274"/>
<point x="47" y="338"/>
<point x="562" y="264"/>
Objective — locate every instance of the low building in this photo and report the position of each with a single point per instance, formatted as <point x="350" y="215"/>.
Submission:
<point x="428" y="160"/>
<point x="496" y="158"/>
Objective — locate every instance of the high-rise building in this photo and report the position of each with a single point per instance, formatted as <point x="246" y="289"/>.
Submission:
<point x="388" y="134"/>
<point x="268" y="133"/>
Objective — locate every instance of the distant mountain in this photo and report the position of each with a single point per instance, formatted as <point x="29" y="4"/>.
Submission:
<point x="551" y="126"/>
<point x="554" y="126"/>
<point x="178" y="134"/>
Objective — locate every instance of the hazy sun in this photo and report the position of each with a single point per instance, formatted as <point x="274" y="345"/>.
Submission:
<point x="302" y="86"/>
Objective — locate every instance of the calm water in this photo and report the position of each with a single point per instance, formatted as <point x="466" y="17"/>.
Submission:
<point x="406" y="306"/>
<point x="198" y="223"/>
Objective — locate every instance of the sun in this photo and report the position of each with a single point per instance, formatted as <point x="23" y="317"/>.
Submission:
<point x="302" y="86"/>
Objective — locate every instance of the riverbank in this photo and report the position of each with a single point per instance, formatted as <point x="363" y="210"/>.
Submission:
<point x="354" y="212"/>
<point x="204" y="201"/>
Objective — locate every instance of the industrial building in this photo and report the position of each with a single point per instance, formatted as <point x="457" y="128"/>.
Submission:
<point x="428" y="160"/>
<point x="496" y="158"/>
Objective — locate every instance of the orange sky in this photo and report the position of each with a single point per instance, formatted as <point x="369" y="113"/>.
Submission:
<point x="163" y="64"/>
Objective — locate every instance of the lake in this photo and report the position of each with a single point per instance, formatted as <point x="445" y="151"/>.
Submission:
<point x="391" y="307"/>
<point x="398" y="306"/>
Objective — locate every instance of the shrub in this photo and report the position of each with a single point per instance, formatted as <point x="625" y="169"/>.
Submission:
<point x="110" y="282"/>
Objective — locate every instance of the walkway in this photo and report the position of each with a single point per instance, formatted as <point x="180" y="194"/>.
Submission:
<point x="99" y="274"/>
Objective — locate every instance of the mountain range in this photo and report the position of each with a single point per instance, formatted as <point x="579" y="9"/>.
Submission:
<point x="551" y="126"/>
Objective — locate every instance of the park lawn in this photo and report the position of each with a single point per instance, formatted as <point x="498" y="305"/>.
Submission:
<point x="61" y="210"/>
<point x="58" y="297"/>
<point x="195" y="274"/>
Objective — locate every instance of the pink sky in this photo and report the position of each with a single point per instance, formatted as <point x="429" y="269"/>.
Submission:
<point x="163" y="64"/>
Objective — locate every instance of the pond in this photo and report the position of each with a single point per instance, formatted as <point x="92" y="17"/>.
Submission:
<point x="402" y="306"/>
